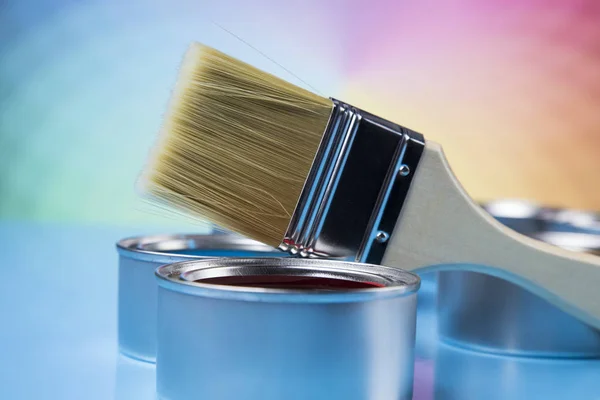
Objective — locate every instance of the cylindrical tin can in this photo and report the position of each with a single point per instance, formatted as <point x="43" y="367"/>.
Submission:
<point x="461" y="374"/>
<point x="428" y="292"/>
<point x="522" y="216"/>
<point x="426" y="316"/>
<point x="138" y="259"/>
<point x="293" y="329"/>
<point x="486" y="313"/>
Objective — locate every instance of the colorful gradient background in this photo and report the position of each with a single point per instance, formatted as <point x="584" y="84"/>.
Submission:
<point x="510" y="88"/>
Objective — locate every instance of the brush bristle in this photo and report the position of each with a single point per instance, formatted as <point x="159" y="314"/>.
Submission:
<point x="236" y="146"/>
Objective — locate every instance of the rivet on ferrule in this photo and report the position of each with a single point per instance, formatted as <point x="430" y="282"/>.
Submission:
<point x="404" y="170"/>
<point x="382" y="237"/>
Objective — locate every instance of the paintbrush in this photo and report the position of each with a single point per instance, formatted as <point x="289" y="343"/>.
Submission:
<point x="320" y="178"/>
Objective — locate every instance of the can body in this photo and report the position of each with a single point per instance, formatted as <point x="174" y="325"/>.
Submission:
<point x="139" y="258"/>
<point x="428" y="293"/>
<point x="490" y="314"/>
<point x="272" y="346"/>
<point x="137" y="309"/>
<point x="485" y="313"/>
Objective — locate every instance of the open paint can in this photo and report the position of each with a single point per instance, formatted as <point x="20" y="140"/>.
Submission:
<point x="285" y="328"/>
<point x="138" y="259"/>
<point x="486" y="313"/>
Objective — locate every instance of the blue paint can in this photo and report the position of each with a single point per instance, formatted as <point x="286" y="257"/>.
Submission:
<point x="489" y="314"/>
<point x="285" y="328"/>
<point x="138" y="259"/>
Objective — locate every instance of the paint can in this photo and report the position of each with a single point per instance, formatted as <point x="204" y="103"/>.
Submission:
<point x="138" y="259"/>
<point x="486" y="313"/>
<point x="522" y="216"/>
<point x="285" y="328"/>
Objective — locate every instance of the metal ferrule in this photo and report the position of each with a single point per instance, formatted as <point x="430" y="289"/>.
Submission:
<point x="355" y="189"/>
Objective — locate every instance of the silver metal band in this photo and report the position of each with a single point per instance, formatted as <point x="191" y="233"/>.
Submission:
<point x="355" y="189"/>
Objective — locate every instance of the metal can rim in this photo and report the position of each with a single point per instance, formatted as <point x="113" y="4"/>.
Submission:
<point x="574" y="241"/>
<point x="397" y="281"/>
<point x="525" y="210"/>
<point x="161" y="248"/>
<point x="514" y="209"/>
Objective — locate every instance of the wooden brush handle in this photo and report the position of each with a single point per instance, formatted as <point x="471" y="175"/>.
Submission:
<point x="442" y="228"/>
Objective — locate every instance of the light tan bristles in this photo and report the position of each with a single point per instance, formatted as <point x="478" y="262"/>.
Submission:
<point x="236" y="145"/>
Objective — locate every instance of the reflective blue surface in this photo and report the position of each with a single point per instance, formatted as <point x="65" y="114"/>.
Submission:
<point x="492" y="314"/>
<point x="58" y="335"/>
<point x="485" y="313"/>
<point x="448" y="372"/>
<point x="277" y="344"/>
<point x="253" y="350"/>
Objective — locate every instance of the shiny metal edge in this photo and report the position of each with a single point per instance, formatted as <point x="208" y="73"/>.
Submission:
<point x="519" y="353"/>
<point x="567" y="220"/>
<point x="314" y="184"/>
<point x="320" y="184"/>
<point x="320" y="227"/>
<point x="574" y="230"/>
<point x="397" y="281"/>
<point x="159" y="248"/>
<point x="574" y="241"/>
<point x="513" y="208"/>
<point x="529" y="217"/>
<point x="219" y="272"/>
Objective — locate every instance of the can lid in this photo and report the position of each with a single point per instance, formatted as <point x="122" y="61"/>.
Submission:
<point x="197" y="277"/>
<point x="172" y="248"/>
